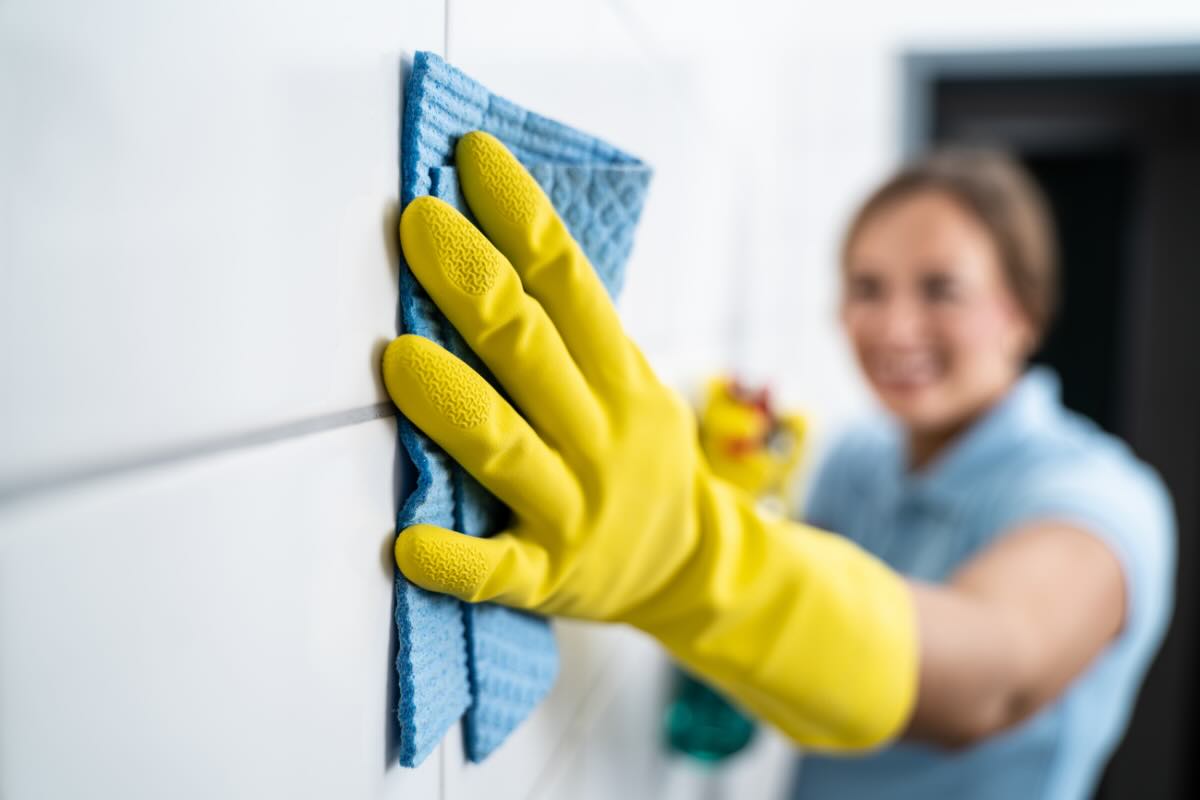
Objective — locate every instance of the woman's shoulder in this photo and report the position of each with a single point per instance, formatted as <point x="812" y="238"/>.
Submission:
<point x="1076" y="473"/>
<point x="1073" y="456"/>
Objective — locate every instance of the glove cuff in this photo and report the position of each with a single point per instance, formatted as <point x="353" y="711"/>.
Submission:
<point x="801" y="627"/>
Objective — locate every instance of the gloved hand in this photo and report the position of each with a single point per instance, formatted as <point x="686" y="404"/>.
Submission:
<point x="616" y="516"/>
<point x="747" y="443"/>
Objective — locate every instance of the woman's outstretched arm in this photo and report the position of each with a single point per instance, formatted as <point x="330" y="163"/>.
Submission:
<point x="1012" y="628"/>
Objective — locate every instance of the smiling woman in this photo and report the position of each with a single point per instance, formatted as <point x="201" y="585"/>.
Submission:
<point x="1039" y="550"/>
<point x="949" y="285"/>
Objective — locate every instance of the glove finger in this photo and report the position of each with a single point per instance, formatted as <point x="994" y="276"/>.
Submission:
<point x="503" y="568"/>
<point x="480" y="293"/>
<point x="516" y="215"/>
<point x="461" y="411"/>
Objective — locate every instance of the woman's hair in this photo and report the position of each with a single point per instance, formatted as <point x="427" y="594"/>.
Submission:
<point x="1003" y="197"/>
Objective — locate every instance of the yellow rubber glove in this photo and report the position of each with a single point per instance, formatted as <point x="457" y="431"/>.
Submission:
<point x="616" y="516"/>
<point x="747" y="443"/>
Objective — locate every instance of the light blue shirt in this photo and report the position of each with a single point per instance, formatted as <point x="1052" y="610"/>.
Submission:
<point x="1028" y="459"/>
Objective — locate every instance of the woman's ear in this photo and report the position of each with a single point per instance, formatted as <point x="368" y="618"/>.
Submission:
<point x="1028" y="337"/>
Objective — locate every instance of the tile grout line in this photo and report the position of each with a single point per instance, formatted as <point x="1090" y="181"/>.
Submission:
<point x="24" y="489"/>
<point x="442" y="769"/>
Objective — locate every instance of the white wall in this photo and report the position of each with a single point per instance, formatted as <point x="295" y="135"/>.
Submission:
<point x="196" y="264"/>
<point x="768" y="122"/>
<point x="197" y="273"/>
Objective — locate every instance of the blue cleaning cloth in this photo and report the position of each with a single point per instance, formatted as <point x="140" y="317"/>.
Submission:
<point x="489" y="663"/>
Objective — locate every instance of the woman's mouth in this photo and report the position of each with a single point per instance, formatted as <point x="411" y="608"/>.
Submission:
<point x="905" y="372"/>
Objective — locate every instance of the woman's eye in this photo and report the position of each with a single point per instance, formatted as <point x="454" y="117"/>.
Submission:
<point x="939" y="289"/>
<point x="861" y="288"/>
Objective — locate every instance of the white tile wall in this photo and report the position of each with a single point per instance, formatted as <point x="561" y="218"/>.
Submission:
<point x="204" y="199"/>
<point x="618" y="737"/>
<point x="591" y="655"/>
<point x="219" y="629"/>
<point x="197" y="207"/>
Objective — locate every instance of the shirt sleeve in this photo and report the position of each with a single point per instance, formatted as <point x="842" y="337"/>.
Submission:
<point x="1123" y="502"/>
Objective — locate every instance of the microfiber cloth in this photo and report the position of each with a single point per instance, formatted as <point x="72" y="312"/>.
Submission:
<point x="487" y="664"/>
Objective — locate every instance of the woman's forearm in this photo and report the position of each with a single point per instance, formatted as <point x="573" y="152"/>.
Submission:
<point x="1011" y="630"/>
<point x="973" y="668"/>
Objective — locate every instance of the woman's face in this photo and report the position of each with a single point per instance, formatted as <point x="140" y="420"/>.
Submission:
<point x="937" y="332"/>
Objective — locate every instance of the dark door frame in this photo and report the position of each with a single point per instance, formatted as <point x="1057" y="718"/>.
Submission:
<point x="921" y="70"/>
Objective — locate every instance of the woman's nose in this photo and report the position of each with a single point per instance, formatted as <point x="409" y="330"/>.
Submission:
<point x="898" y="321"/>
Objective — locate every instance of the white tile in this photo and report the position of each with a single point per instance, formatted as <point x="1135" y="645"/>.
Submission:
<point x="586" y="65"/>
<point x="615" y="746"/>
<point x="762" y="770"/>
<point x="587" y="652"/>
<point x="196" y="218"/>
<point x="217" y="629"/>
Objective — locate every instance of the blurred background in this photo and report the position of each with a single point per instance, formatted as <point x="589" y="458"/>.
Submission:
<point x="197" y="273"/>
